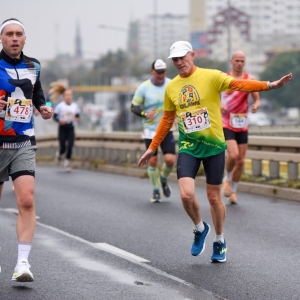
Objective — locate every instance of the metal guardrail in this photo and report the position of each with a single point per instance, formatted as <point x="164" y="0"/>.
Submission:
<point x="127" y="148"/>
<point x="286" y="130"/>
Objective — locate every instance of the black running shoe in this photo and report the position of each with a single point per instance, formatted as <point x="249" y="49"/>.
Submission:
<point x="165" y="188"/>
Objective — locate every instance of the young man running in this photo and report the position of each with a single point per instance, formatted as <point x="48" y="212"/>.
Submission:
<point x="21" y="89"/>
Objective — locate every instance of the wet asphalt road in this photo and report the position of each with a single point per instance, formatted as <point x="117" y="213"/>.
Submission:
<point x="79" y="210"/>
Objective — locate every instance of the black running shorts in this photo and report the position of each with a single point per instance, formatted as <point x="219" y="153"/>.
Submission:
<point x="167" y="146"/>
<point x="239" y="137"/>
<point x="188" y="166"/>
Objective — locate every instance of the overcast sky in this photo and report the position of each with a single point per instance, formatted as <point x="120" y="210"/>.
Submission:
<point x="50" y="24"/>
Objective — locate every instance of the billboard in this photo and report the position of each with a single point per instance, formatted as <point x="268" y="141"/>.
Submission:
<point x="199" y="43"/>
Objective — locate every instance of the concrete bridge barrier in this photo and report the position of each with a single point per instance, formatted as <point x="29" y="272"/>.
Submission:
<point x="127" y="147"/>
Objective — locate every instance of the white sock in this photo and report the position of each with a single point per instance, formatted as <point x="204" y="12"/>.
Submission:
<point x="23" y="250"/>
<point x="66" y="163"/>
<point x="200" y="227"/>
<point x="234" y="186"/>
<point x="219" y="238"/>
<point x="228" y="175"/>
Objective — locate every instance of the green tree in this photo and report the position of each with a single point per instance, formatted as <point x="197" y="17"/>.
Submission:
<point x="110" y="65"/>
<point x="114" y="64"/>
<point x="51" y="72"/>
<point x="282" y="64"/>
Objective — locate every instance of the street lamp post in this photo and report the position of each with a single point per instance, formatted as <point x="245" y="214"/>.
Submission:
<point x="229" y="33"/>
<point x="155" y="29"/>
<point x="128" y="73"/>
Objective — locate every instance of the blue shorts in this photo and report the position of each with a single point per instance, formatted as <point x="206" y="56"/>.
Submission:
<point x="188" y="166"/>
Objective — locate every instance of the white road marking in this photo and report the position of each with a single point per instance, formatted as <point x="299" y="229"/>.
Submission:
<point x="94" y="245"/>
<point x="120" y="252"/>
<point x="12" y="210"/>
<point x="146" y="266"/>
<point x="15" y="211"/>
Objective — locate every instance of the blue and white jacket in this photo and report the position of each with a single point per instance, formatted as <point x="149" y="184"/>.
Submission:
<point x="20" y="79"/>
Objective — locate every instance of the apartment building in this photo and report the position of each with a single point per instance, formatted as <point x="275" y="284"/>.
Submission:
<point x="254" y="26"/>
<point x="152" y="36"/>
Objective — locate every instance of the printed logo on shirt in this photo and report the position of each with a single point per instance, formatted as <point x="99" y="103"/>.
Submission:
<point x="188" y="97"/>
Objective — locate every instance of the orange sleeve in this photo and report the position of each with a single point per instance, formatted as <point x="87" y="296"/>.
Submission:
<point x="163" y="128"/>
<point x="249" y="86"/>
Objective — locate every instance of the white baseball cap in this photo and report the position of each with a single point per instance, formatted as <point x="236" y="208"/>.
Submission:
<point x="159" y="65"/>
<point x="180" y="49"/>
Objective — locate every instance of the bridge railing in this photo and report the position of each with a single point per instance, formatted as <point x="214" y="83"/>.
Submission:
<point x="127" y="147"/>
<point x="285" y="130"/>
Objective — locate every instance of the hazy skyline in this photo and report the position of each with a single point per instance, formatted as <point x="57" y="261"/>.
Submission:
<point x="51" y="25"/>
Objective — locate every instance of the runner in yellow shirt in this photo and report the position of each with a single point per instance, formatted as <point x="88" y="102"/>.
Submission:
<point x="194" y="95"/>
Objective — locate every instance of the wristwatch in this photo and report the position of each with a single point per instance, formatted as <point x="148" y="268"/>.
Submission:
<point x="268" y="85"/>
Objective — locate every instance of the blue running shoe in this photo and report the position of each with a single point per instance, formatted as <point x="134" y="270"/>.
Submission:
<point x="156" y="197"/>
<point x="198" y="245"/>
<point x="219" y="252"/>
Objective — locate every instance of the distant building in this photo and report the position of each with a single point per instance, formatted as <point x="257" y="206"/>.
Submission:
<point x="65" y="63"/>
<point x="239" y="23"/>
<point x="257" y="27"/>
<point x="68" y="62"/>
<point x="151" y="37"/>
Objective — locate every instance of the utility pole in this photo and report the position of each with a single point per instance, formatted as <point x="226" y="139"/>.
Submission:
<point x="228" y="33"/>
<point x="56" y="32"/>
<point x="128" y="72"/>
<point x="155" y="30"/>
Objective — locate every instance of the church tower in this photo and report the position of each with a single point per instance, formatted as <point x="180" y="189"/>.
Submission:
<point x="78" y="42"/>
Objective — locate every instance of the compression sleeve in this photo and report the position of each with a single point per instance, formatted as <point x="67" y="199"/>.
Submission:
<point x="136" y="109"/>
<point x="164" y="126"/>
<point x="248" y="86"/>
<point x="55" y="117"/>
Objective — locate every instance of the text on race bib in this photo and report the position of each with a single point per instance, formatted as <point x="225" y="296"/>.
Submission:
<point x="239" y="120"/>
<point x="19" y="110"/>
<point x="195" y="120"/>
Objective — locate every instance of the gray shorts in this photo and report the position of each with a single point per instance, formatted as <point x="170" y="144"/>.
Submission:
<point x="20" y="160"/>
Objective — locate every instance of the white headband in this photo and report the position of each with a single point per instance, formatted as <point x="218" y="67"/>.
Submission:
<point x="11" y="22"/>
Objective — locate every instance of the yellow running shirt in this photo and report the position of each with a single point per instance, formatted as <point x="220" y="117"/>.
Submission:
<point x="196" y="100"/>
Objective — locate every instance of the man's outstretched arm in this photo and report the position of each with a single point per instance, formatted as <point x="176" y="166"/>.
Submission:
<point x="245" y="85"/>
